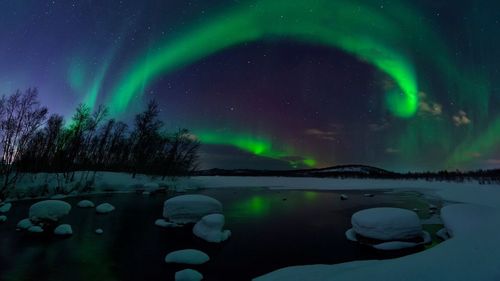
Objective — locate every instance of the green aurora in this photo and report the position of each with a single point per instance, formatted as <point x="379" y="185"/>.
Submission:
<point x="323" y="22"/>
<point x="384" y="38"/>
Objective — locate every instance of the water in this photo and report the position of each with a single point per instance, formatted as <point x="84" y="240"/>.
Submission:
<point x="271" y="229"/>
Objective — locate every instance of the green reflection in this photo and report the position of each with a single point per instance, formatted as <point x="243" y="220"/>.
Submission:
<point x="310" y="195"/>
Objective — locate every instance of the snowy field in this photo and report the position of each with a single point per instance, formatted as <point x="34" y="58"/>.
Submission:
<point x="472" y="253"/>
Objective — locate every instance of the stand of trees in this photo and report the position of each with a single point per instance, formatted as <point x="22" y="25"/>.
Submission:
<point x="32" y="141"/>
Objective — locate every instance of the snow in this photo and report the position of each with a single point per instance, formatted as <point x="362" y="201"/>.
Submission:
<point x="151" y="186"/>
<point x="3" y="218"/>
<point x="104" y="208"/>
<point x="5" y="207"/>
<point x="465" y="218"/>
<point x="398" y="245"/>
<point x="35" y="229"/>
<point x="209" y="228"/>
<point x="188" y="275"/>
<point x="166" y="224"/>
<point x="51" y="210"/>
<point x="443" y="234"/>
<point x="99" y="231"/>
<point x="187" y="256"/>
<point x="63" y="229"/>
<point x="350" y="234"/>
<point x="386" y="223"/>
<point x="86" y="204"/>
<point x="190" y="208"/>
<point x="24" y="224"/>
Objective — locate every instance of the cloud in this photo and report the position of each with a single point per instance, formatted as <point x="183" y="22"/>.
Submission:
<point x="376" y="127"/>
<point x="320" y="134"/>
<point x="426" y="107"/>
<point x="493" y="161"/>
<point x="475" y="154"/>
<point x="461" y="119"/>
<point x="391" y="150"/>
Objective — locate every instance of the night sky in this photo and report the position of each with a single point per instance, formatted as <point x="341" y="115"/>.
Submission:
<point x="404" y="85"/>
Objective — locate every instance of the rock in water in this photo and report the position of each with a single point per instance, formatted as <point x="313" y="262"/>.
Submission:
<point x="190" y="208"/>
<point x="5" y="207"/>
<point x="49" y="210"/>
<point x="166" y="224"/>
<point x="387" y="224"/>
<point x="35" y="229"/>
<point x="209" y="228"/>
<point x="99" y="231"/>
<point x="86" y="204"/>
<point x="104" y="208"/>
<point x="24" y="224"/>
<point x="344" y="197"/>
<point x="188" y="275"/>
<point x="63" y="229"/>
<point x="187" y="256"/>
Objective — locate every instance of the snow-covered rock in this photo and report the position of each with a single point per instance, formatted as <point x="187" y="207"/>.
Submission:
<point x="104" y="208"/>
<point x="99" y="231"/>
<point x="5" y="207"/>
<point x="187" y="256"/>
<point x="86" y="204"/>
<point x="465" y="218"/>
<point x="51" y="210"/>
<point x="63" y="229"/>
<point x="3" y="218"/>
<point x="386" y="223"/>
<point x="188" y="275"/>
<point x="344" y="197"/>
<point x="392" y="245"/>
<point x="209" y="228"/>
<point x="166" y="224"/>
<point x="35" y="229"/>
<point x="190" y="208"/>
<point x="24" y="224"/>
<point x="58" y="196"/>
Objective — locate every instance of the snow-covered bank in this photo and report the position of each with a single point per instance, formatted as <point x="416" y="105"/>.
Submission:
<point x="471" y="192"/>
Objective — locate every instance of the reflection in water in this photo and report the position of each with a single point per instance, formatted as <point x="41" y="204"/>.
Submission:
<point x="95" y="263"/>
<point x="310" y="195"/>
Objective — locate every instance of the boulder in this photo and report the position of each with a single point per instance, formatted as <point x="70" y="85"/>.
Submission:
<point x="190" y="208"/>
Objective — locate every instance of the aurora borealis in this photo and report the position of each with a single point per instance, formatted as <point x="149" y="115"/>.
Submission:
<point x="276" y="84"/>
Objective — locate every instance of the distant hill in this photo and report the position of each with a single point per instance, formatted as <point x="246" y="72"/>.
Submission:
<point x="364" y="171"/>
<point x="334" y="171"/>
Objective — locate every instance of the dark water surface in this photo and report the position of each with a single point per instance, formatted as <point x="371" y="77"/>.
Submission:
<point x="271" y="229"/>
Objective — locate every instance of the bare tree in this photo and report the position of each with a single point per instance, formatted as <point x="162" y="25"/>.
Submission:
<point x="145" y="136"/>
<point x="22" y="115"/>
